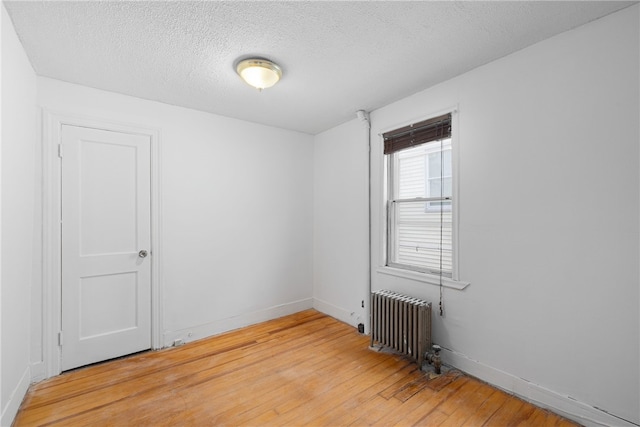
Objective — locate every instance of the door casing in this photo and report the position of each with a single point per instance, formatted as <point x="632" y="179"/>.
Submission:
<point x="52" y="123"/>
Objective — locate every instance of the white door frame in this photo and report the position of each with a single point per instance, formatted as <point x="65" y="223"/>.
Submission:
<point x="52" y="123"/>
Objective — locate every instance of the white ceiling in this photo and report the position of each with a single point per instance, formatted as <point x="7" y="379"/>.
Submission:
<point x="337" y="57"/>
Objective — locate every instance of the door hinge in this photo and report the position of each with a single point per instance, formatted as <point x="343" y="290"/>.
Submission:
<point x="60" y="338"/>
<point x="60" y="150"/>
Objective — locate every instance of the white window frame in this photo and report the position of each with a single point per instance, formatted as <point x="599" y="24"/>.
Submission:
<point x="454" y="281"/>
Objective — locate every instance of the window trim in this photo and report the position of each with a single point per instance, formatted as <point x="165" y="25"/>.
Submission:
<point x="401" y="271"/>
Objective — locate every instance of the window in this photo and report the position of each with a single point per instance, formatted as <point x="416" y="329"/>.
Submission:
<point x="420" y="197"/>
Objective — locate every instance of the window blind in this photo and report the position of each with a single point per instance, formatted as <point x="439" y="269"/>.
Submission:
<point x="433" y="129"/>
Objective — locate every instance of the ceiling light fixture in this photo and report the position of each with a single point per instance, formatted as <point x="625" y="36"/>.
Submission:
<point x="259" y="73"/>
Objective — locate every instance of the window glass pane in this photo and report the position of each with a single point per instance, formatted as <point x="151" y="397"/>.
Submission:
<point x="419" y="237"/>
<point x="436" y="186"/>
<point x="435" y="206"/>
<point x="446" y="158"/>
<point x="434" y="165"/>
<point x="411" y="173"/>
<point x="447" y="187"/>
<point x="436" y="160"/>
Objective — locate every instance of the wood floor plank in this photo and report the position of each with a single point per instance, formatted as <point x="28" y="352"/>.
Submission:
<point x="351" y="410"/>
<point x="459" y="397"/>
<point x="203" y="348"/>
<point x="100" y="376"/>
<point x="423" y="399"/>
<point x="196" y="372"/>
<point x="505" y="413"/>
<point x="538" y="417"/>
<point x="421" y="412"/>
<point x="374" y="410"/>
<point x="434" y="418"/>
<point x="472" y="402"/>
<point x="332" y="390"/>
<point x="303" y="369"/>
<point x="296" y="371"/>
<point x="398" y="385"/>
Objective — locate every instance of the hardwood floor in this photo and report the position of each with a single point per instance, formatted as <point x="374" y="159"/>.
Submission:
<point x="306" y="368"/>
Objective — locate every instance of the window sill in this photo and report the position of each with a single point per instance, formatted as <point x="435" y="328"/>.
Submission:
<point x="423" y="277"/>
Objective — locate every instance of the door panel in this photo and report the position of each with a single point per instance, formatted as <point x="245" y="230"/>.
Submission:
<point x="108" y="304"/>
<point x="106" y="285"/>
<point x="107" y="198"/>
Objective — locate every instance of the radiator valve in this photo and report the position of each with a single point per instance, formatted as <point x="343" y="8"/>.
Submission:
<point x="434" y="358"/>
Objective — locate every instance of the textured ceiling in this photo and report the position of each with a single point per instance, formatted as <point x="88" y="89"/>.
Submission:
<point x="337" y="57"/>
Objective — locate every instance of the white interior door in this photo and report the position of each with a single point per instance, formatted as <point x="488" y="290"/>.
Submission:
<point x="106" y="252"/>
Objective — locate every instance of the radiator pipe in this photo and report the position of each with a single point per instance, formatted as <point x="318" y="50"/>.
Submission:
<point x="434" y="359"/>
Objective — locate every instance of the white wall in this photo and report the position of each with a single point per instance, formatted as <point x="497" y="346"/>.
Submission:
<point x="549" y="220"/>
<point x="18" y="235"/>
<point x="340" y="221"/>
<point x="236" y="214"/>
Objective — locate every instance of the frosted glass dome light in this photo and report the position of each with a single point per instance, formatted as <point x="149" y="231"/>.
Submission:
<point x="259" y="73"/>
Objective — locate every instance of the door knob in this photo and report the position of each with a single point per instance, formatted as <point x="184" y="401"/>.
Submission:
<point x="143" y="253"/>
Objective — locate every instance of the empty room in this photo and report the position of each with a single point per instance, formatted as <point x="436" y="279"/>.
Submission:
<point x="320" y="213"/>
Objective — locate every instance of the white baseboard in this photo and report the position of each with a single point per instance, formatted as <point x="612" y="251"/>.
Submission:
<point x="10" y="410"/>
<point x="231" y="323"/>
<point x="563" y="405"/>
<point x="335" y="312"/>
